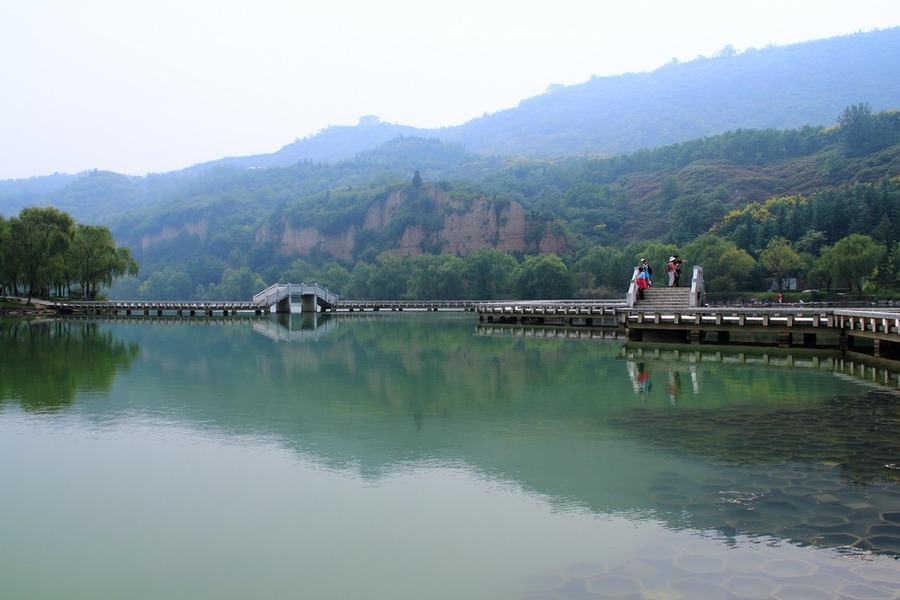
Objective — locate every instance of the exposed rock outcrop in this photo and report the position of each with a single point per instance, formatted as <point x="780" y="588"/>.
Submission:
<point x="460" y="227"/>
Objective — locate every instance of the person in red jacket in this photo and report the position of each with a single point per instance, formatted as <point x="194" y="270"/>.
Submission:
<point x="643" y="282"/>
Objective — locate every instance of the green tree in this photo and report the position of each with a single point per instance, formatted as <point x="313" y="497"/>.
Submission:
<point x="237" y="284"/>
<point x="543" y="276"/>
<point x="300" y="271"/>
<point x="609" y="268"/>
<point x="168" y="284"/>
<point x="39" y="240"/>
<point x="489" y="274"/>
<point x="7" y="274"/>
<point x="726" y="268"/>
<point x="390" y="277"/>
<point x="885" y="275"/>
<point x="855" y="258"/>
<point x="862" y="131"/>
<point x="94" y="259"/>
<point x="436" y="277"/>
<point x="821" y="273"/>
<point x="811" y="242"/>
<point x="359" y="286"/>
<point x="780" y="260"/>
<point x="335" y="278"/>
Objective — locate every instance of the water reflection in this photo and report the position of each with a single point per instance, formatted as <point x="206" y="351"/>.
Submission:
<point x="45" y="364"/>
<point x="636" y="448"/>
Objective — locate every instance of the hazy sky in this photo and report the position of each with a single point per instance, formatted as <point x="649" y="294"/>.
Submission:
<point x="138" y="86"/>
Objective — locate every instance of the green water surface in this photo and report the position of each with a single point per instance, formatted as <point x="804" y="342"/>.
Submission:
<point x="403" y="456"/>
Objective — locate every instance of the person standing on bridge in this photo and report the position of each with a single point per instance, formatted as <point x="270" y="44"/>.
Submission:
<point x="674" y="270"/>
<point x="649" y="270"/>
<point x="643" y="282"/>
<point x="670" y="270"/>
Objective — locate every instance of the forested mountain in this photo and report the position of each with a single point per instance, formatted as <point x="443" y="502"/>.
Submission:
<point x="275" y="225"/>
<point x="656" y="158"/>
<point x="770" y="88"/>
<point x="777" y="87"/>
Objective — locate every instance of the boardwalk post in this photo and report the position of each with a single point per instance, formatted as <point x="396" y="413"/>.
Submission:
<point x="784" y="339"/>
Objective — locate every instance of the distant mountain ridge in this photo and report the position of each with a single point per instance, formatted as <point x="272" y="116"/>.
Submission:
<point x="778" y="87"/>
<point x="543" y="177"/>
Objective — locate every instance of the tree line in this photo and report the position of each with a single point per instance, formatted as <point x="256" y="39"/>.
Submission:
<point x="835" y="239"/>
<point x="611" y="212"/>
<point x="829" y="240"/>
<point x="44" y="253"/>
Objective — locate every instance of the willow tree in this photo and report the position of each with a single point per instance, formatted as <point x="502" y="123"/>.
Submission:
<point x="94" y="259"/>
<point x="854" y="259"/>
<point x="39" y="239"/>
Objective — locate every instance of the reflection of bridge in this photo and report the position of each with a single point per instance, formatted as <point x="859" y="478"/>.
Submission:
<point x="304" y="327"/>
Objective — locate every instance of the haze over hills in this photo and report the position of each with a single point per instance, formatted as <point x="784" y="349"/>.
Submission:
<point x="660" y="155"/>
<point x="776" y="87"/>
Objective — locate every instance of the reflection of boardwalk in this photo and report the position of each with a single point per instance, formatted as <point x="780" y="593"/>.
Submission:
<point x="550" y="332"/>
<point x="883" y="374"/>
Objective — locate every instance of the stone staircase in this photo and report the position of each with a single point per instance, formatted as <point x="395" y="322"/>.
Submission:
<point x="662" y="297"/>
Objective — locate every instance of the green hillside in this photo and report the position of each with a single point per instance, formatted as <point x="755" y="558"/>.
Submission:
<point x="669" y="196"/>
<point x="580" y="180"/>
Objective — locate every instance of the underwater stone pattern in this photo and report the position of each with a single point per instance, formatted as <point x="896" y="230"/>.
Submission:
<point x="820" y="484"/>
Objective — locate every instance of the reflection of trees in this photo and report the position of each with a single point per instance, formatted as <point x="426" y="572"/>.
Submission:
<point x="44" y="364"/>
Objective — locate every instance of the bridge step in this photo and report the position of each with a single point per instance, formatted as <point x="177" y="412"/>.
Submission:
<point x="665" y="297"/>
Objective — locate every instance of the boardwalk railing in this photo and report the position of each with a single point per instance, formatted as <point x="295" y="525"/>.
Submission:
<point x="158" y="308"/>
<point x="428" y="305"/>
<point x="873" y="331"/>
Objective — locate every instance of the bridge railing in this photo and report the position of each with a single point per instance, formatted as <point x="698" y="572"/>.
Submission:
<point x="314" y="289"/>
<point x="631" y="295"/>
<point x="270" y="295"/>
<point x="698" y="287"/>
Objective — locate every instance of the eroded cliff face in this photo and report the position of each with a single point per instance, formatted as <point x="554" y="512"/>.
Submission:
<point x="168" y="233"/>
<point x="466" y="226"/>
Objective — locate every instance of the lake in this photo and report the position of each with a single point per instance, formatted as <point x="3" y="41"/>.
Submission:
<point x="419" y="455"/>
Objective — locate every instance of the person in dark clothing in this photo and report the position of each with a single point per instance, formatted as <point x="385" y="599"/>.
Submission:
<point x="649" y="270"/>
<point x="676" y="264"/>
